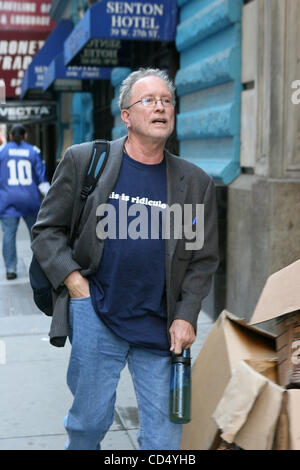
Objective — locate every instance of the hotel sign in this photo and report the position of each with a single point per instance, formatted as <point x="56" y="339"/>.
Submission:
<point x="111" y="33"/>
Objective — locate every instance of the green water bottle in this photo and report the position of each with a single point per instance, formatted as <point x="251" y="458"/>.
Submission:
<point x="180" y="387"/>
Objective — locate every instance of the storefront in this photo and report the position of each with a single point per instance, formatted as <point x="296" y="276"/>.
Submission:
<point x="32" y="84"/>
<point x="39" y="119"/>
<point x="24" y="27"/>
<point x="75" y="64"/>
<point x="46" y="134"/>
<point x="70" y="86"/>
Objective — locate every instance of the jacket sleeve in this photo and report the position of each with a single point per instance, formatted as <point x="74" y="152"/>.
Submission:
<point x="51" y="230"/>
<point x="203" y="264"/>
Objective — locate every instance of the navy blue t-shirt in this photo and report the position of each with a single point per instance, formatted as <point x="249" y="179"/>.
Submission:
<point x="128" y="290"/>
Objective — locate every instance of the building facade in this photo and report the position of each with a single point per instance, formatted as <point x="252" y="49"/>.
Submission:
<point x="236" y="68"/>
<point x="264" y="200"/>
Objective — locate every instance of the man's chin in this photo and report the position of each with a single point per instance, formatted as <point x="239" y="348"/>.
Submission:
<point x="161" y="134"/>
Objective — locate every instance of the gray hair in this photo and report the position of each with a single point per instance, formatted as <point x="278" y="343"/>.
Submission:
<point x="128" y="82"/>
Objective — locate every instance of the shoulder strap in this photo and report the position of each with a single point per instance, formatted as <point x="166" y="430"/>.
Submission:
<point x="97" y="163"/>
<point x="96" y="166"/>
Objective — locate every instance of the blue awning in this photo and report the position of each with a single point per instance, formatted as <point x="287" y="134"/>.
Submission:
<point x="111" y="33"/>
<point x="34" y="76"/>
<point x="63" y="78"/>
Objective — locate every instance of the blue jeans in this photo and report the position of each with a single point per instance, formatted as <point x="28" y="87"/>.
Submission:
<point x="97" y="359"/>
<point x="9" y="250"/>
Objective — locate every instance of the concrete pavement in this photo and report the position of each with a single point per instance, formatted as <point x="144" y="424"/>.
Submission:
<point x="34" y="396"/>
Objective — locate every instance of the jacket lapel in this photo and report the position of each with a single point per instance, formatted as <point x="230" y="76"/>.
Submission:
<point x="176" y="194"/>
<point x="108" y="179"/>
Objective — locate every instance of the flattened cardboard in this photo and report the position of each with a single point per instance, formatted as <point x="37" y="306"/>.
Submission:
<point x="248" y="411"/>
<point x="238" y="398"/>
<point x="281" y="295"/>
<point x="293" y="408"/>
<point x="266" y="368"/>
<point x="259" y="430"/>
<point x="245" y="324"/>
<point x="281" y="439"/>
<point x="228" y="343"/>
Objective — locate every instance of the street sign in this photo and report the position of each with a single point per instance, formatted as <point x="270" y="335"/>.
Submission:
<point x="28" y="112"/>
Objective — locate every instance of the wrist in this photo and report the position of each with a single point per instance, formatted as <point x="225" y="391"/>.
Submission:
<point x="72" y="279"/>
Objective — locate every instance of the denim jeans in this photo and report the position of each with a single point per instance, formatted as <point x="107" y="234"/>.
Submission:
<point x="97" y="359"/>
<point x="9" y="228"/>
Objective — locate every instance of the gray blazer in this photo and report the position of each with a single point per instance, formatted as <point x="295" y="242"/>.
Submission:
<point x="188" y="273"/>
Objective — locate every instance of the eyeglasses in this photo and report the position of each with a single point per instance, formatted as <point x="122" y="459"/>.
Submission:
<point x="150" y="102"/>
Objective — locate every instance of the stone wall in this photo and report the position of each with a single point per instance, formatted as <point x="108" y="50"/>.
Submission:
<point x="264" y="201"/>
<point x="208" y="84"/>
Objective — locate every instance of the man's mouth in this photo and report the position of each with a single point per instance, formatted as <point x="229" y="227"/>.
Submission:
<point x="159" y="121"/>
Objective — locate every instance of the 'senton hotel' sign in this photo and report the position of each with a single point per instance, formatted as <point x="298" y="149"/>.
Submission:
<point x="111" y="33"/>
<point x="134" y="14"/>
<point x="135" y="8"/>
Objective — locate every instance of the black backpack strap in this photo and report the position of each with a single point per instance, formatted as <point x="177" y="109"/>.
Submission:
<point x="97" y="163"/>
<point x="96" y="166"/>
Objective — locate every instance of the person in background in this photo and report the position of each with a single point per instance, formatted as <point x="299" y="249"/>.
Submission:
<point x="22" y="182"/>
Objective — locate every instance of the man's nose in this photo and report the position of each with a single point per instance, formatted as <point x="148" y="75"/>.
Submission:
<point x="159" y="105"/>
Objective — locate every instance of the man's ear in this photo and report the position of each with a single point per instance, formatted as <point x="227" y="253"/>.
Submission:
<point x="125" y="117"/>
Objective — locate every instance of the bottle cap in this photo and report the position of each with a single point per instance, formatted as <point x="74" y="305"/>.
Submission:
<point x="184" y="357"/>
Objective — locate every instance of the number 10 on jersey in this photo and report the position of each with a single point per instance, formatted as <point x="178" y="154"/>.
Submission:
<point x="20" y="172"/>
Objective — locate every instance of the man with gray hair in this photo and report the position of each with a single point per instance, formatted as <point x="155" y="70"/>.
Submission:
<point x="127" y="300"/>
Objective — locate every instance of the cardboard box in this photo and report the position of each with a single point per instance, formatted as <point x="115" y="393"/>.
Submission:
<point x="280" y="300"/>
<point x="233" y="340"/>
<point x="273" y="421"/>
<point x="280" y="295"/>
<point x="293" y="411"/>
<point x="249" y="409"/>
<point x="230" y="341"/>
<point x="288" y="350"/>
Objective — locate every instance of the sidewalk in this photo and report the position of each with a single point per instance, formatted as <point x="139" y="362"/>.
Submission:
<point x="34" y="396"/>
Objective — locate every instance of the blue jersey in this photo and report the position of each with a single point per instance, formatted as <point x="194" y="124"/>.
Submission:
<point x="22" y="170"/>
